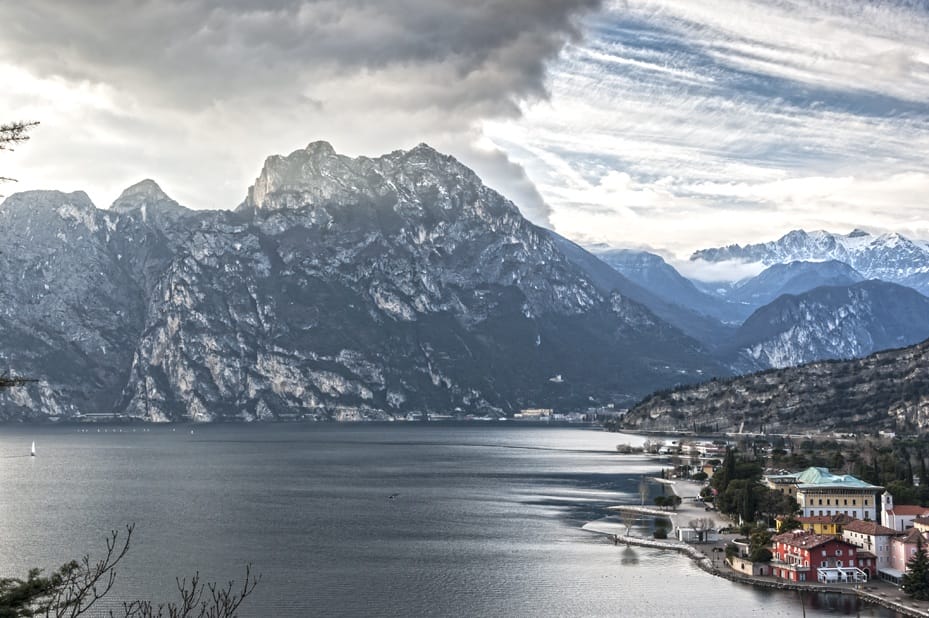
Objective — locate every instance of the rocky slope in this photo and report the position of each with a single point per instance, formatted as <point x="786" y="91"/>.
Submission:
<point x="705" y="327"/>
<point x="833" y="322"/>
<point x="885" y="391"/>
<point x="341" y="288"/>
<point x="653" y="273"/>
<point x="790" y="278"/>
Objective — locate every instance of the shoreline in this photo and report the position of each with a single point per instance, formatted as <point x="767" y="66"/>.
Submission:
<point x="705" y="563"/>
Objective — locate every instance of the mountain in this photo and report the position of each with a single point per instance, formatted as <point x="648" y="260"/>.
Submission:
<point x="706" y="329"/>
<point x="888" y="257"/>
<point x="884" y="391"/>
<point x="652" y="273"/>
<point x="789" y="278"/>
<point x="833" y="322"/>
<point x="340" y="288"/>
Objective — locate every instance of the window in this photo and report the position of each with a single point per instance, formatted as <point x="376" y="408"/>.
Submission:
<point x="866" y="502"/>
<point x="846" y="503"/>
<point x="838" y="552"/>
<point x="820" y="502"/>
<point x="824" y="564"/>
<point x="824" y="553"/>
<point x="854" y="502"/>
<point x="838" y="563"/>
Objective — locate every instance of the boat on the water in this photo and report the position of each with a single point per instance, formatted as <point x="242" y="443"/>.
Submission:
<point x="32" y="451"/>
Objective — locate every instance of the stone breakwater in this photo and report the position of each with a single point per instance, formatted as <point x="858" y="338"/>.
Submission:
<point x="706" y="564"/>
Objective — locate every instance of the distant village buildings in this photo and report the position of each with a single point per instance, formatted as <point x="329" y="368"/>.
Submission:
<point x="850" y="530"/>
<point x="802" y="556"/>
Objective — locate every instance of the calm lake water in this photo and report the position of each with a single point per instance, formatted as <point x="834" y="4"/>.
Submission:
<point x="485" y="520"/>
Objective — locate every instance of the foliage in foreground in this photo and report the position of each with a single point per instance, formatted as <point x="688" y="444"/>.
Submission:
<point x="77" y="587"/>
<point x="916" y="579"/>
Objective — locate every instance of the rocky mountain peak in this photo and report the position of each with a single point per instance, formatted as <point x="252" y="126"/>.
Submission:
<point x="320" y="148"/>
<point x="142" y="193"/>
<point x="317" y="176"/>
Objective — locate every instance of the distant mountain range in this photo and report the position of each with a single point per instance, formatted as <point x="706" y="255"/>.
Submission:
<point x="372" y="288"/>
<point x="340" y="288"/>
<point x="784" y="316"/>
<point x="888" y="257"/>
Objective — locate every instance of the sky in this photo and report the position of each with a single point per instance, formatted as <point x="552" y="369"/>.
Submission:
<point x="671" y="125"/>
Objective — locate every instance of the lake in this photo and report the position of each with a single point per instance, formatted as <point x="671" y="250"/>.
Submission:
<point x="361" y="519"/>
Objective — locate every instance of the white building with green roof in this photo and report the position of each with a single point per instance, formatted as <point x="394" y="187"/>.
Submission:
<point x="819" y="492"/>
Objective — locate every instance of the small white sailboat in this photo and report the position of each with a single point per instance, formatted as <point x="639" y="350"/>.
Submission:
<point x="32" y="450"/>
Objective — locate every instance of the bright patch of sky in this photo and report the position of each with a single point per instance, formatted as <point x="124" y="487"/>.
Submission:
<point x="669" y="124"/>
<point x="677" y="125"/>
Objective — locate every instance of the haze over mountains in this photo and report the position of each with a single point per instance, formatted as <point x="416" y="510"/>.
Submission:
<point x="347" y="288"/>
<point x="820" y="296"/>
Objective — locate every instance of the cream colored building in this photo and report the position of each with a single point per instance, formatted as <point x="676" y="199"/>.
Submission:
<point x="820" y="493"/>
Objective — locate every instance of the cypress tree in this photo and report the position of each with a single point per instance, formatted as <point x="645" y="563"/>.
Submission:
<point x="916" y="579"/>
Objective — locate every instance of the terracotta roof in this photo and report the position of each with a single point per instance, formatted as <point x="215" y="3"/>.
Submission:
<point x="908" y="509"/>
<point x="805" y="540"/>
<point x="838" y="518"/>
<point x="871" y="528"/>
<point x="911" y="536"/>
<point x="923" y="519"/>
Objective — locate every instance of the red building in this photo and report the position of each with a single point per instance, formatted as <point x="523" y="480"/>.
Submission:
<point x="801" y="556"/>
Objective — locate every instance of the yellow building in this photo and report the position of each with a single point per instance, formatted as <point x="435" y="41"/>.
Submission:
<point x="826" y="524"/>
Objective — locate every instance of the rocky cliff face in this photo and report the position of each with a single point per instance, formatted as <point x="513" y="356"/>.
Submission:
<point x="837" y="322"/>
<point x="340" y="288"/>
<point x="888" y="390"/>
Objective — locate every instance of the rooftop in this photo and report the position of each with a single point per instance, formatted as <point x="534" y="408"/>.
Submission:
<point x="805" y="540"/>
<point x="815" y="478"/>
<point x="871" y="528"/>
<point x="912" y="536"/>
<point x="839" y="518"/>
<point x="908" y="509"/>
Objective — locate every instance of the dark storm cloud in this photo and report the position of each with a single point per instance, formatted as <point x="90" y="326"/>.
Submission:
<point x="219" y="85"/>
<point x="191" y="53"/>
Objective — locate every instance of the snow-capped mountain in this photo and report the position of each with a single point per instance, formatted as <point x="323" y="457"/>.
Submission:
<point x="888" y="257"/>
<point x="340" y="288"/>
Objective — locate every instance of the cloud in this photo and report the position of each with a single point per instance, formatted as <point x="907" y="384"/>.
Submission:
<point x="198" y="92"/>
<point x="683" y="124"/>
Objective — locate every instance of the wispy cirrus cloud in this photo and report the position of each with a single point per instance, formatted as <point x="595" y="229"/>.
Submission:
<point x="682" y="124"/>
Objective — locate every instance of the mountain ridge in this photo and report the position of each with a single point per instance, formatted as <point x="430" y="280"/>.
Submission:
<point x="341" y="288"/>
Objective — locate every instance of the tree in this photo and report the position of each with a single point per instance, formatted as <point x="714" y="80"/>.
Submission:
<point x="12" y="134"/>
<point x="76" y="587"/>
<point x="916" y="579"/>
<point x="701" y="526"/>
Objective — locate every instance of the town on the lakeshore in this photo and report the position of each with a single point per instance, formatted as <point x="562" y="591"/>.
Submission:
<point x="804" y="526"/>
